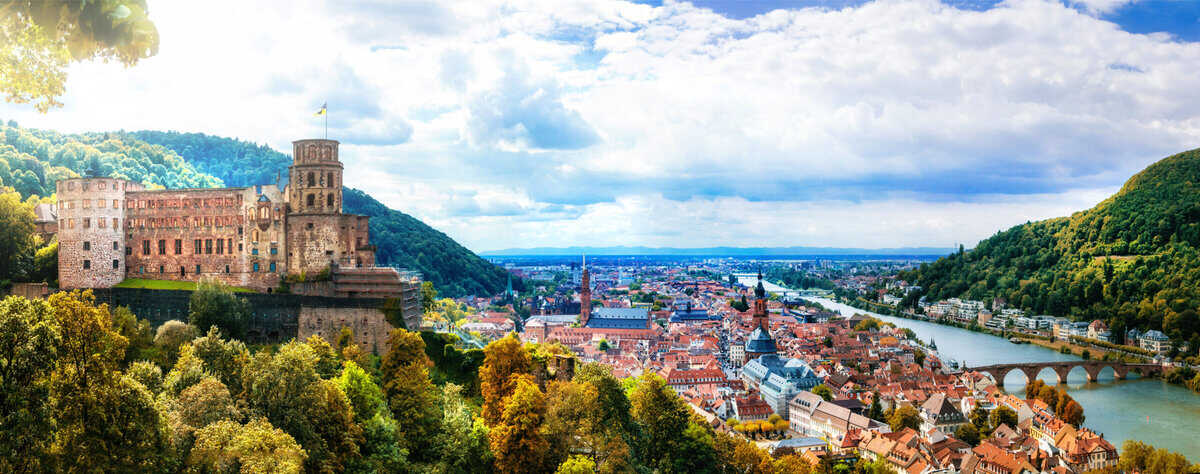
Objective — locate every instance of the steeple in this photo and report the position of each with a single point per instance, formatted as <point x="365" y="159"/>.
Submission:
<point x="585" y="295"/>
<point x="759" y="291"/>
<point x="760" y="305"/>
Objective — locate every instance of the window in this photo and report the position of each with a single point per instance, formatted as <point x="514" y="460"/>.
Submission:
<point x="116" y="246"/>
<point x="87" y="264"/>
<point x="256" y="236"/>
<point x="255" y="267"/>
<point x="272" y="266"/>
<point x="162" y="269"/>
<point x="197" y="249"/>
<point x="274" y="250"/>
<point x="87" y="245"/>
<point x="116" y="204"/>
<point x="87" y="204"/>
<point x="230" y="246"/>
<point x="240" y="247"/>
<point x="329" y="182"/>
<point x="100" y="204"/>
<point x="308" y="226"/>
<point x="254" y="251"/>
<point x="146" y="248"/>
<point x="87" y="222"/>
<point x="220" y="246"/>
<point x="100" y="223"/>
<point x="116" y="264"/>
<point x="178" y="246"/>
<point x="141" y="269"/>
<point x="329" y="200"/>
<point x="226" y="268"/>
<point x="208" y="246"/>
<point x="311" y="179"/>
<point x="311" y="200"/>
<point x="162" y="246"/>
<point x="197" y="269"/>
<point x="115" y="221"/>
<point x="128" y="250"/>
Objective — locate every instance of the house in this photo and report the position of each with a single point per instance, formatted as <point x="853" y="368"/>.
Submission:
<point x="1155" y="341"/>
<point x="939" y="413"/>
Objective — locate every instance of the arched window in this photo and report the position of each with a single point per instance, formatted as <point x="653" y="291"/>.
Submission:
<point x="329" y="200"/>
<point x="312" y="181"/>
<point x="312" y="198"/>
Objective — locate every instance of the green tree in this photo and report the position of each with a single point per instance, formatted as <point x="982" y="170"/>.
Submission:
<point x="208" y="401"/>
<point x="136" y="331"/>
<point x="412" y="398"/>
<point x="39" y="39"/>
<point x="380" y="449"/>
<point x="256" y="447"/>
<point x="824" y="391"/>
<point x="968" y="433"/>
<point x="16" y="225"/>
<point x="188" y="371"/>
<point x="223" y="358"/>
<point x="577" y="465"/>
<point x="904" y="417"/>
<point x="170" y="337"/>
<point x="663" y="418"/>
<point x="428" y="296"/>
<point x="214" y="304"/>
<point x="29" y="342"/>
<point x="148" y="374"/>
<point x="1003" y="415"/>
<point x="876" y="410"/>
<point x="1141" y="457"/>
<point x="464" y="446"/>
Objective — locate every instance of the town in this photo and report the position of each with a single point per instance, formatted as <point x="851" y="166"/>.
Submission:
<point x="780" y="369"/>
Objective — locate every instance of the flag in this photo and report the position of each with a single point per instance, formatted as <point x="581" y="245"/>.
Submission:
<point x="322" y="111"/>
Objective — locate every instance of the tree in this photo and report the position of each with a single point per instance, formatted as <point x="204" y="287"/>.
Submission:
<point x="904" y="417"/>
<point x="1072" y="413"/>
<point x="365" y="395"/>
<point x="16" y="222"/>
<point x="1141" y="457"/>
<point x="824" y="391"/>
<point x="968" y="433"/>
<point x="40" y="38"/>
<point x="223" y="358"/>
<point x="412" y="398"/>
<point x="148" y="374"/>
<point x="169" y="337"/>
<point x="136" y="331"/>
<point x="206" y="402"/>
<point x="188" y="371"/>
<point x="380" y="449"/>
<point x="256" y="447"/>
<point x="979" y="418"/>
<point x="577" y="465"/>
<point x="464" y="445"/>
<point x="516" y="439"/>
<point x="428" y="296"/>
<point x="214" y="304"/>
<point x="329" y="363"/>
<point x="29" y="341"/>
<point x="876" y="410"/>
<point x="1003" y="415"/>
<point x="662" y="416"/>
<point x="503" y="360"/>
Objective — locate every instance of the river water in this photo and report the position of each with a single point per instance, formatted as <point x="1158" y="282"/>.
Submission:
<point x="1150" y="410"/>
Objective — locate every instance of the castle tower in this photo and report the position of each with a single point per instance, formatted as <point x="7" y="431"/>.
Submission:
<point x="317" y="234"/>
<point x="315" y="177"/>
<point x="91" y="243"/>
<point x="585" y="295"/>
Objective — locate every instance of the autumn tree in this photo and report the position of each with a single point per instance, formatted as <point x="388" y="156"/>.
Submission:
<point x="824" y="391"/>
<point x="223" y="358"/>
<point x="516" y="439"/>
<point x="412" y="398"/>
<point x="168" y="339"/>
<point x="256" y="447"/>
<point x="1137" y="456"/>
<point x="1003" y="415"/>
<point x="214" y="304"/>
<point x="136" y="331"/>
<point x="208" y="401"/>
<point x="39" y="39"/>
<point x="504" y="359"/>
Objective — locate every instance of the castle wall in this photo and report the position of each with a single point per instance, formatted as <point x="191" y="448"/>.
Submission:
<point x="370" y="326"/>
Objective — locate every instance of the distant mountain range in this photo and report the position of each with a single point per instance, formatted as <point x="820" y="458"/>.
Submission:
<point x="715" y="251"/>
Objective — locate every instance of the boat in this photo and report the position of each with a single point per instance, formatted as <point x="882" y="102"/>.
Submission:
<point x="1017" y="340"/>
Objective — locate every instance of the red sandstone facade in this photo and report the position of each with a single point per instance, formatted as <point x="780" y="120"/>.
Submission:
<point x="110" y="229"/>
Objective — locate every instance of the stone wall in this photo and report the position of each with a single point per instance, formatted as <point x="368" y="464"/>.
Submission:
<point x="370" y="327"/>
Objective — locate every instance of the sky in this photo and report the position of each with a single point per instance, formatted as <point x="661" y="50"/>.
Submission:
<point x="843" y="123"/>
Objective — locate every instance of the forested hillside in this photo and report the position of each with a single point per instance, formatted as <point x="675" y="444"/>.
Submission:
<point x="1132" y="260"/>
<point x="236" y="162"/>
<point x="32" y="160"/>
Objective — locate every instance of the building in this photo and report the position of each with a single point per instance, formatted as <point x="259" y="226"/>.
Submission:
<point x="779" y="380"/>
<point x="939" y="413"/>
<point x="617" y="318"/>
<point x="1155" y="341"/>
<point x="682" y="311"/>
<point x="110" y="229"/>
<point x="760" y="341"/>
<point x="811" y="415"/>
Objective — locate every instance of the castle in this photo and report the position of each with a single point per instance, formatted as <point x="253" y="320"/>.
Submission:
<point x="110" y="229"/>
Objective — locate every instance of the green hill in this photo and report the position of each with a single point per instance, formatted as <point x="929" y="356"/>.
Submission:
<point x="1132" y="260"/>
<point x="32" y="160"/>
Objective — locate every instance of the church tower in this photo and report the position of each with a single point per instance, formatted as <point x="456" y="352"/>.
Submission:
<point x="760" y="342"/>
<point x="760" y="305"/>
<point x="585" y="295"/>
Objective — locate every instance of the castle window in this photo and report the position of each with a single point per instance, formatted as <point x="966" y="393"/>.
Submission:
<point x="87" y="264"/>
<point x="116" y="264"/>
<point x="240" y="247"/>
<point x="87" y="245"/>
<point x="255" y="267"/>
<point x="220" y="246"/>
<point x="230" y="246"/>
<point x="145" y="247"/>
<point x="272" y="267"/>
<point x="116" y="246"/>
<point x="115" y="222"/>
<point x="87" y="204"/>
<point x="84" y="186"/>
<point x="87" y="222"/>
<point x="101" y="185"/>
<point x="128" y="250"/>
<point x="312" y="181"/>
<point x="100" y="223"/>
<point x="330" y="181"/>
<point x="274" y="250"/>
<point x="254" y="251"/>
<point x="196" y="250"/>
<point x="162" y="247"/>
<point x="71" y="186"/>
<point x="142" y="269"/>
<point x="116" y="205"/>
<point x="208" y="246"/>
<point x="311" y="200"/>
<point x="162" y="269"/>
<point x="99" y="204"/>
<point x="182" y="272"/>
<point x="178" y="246"/>
<point x="256" y="236"/>
<point x="197" y="269"/>
<point x="329" y="200"/>
<point x="309" y="226"/>
<point x="239" y="230"/>
<point x="226" y="268"/>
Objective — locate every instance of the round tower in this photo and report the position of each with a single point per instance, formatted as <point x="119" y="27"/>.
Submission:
<point x="315" y="177"/>
<point x="91" y="244"/>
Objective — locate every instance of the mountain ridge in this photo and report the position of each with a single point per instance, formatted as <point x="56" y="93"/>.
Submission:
<point x="712" y="251"/>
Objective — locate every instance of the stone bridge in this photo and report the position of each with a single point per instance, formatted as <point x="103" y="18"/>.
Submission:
<point x="1063" y="368"/>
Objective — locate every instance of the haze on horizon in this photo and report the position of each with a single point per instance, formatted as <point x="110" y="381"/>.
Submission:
<point x="837" y="123"/>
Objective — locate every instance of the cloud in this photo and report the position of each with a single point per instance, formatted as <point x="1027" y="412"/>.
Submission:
<point x="517" y="123"/>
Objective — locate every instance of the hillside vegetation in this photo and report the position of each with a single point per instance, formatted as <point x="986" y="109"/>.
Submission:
<point x="1132" y="260"/>
<point x="32" y="160"/>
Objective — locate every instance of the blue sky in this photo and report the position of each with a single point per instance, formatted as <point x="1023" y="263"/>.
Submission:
<point x="521" y="123"/>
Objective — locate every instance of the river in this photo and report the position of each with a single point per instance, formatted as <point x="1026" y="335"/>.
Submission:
<point x="1150" y="410"/>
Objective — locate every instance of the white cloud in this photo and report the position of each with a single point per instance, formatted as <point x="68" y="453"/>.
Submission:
<point x="515" y="123"/>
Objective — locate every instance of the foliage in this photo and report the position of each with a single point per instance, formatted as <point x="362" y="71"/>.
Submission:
<point x="256" y="447"/>
<point x="504" y="359"/>
<point x="664" y="417"/>
<point x="213" y="304"/>
<point x="1003" y="415"/>
<point x="904" y="417"/>
<point x="516" y="438"/>
<point x="1141" y="457"/>
<point x="39" y="39"/>
<point x="968" y="433"/>
<point x="234" y="162"/>
<point x="16" y="230"/>
<point x="170" y="337"/>
<point x="411" y="396"/>
<point x="465" y="443"/>
<point x="29" y="341"/>
<point x="824" y="391"/>
<point x="207" y="401"/>
<point x="1058" y="400"/>
<point x="1133" y="260"/>
<point x="222" y="358"/>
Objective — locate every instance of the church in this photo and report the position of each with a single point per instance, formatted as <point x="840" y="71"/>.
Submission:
<point x="777" y="379"/>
